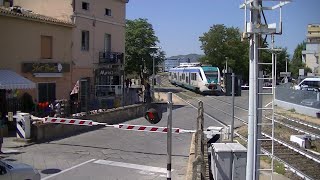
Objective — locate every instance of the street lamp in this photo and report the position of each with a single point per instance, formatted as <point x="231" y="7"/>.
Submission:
<point x="287" y="64"/>
<point x="153" y="73"/>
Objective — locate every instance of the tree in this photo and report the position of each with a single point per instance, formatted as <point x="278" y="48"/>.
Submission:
<point x="296" y="62"/>
<point x="222" y="43"/>
<point x="140" y="36"/>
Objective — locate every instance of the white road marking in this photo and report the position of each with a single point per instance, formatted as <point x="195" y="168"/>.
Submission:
<point x="132" y="166"/>
<point x="73" y="167"/>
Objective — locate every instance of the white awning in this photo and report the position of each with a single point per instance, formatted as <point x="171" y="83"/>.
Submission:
<point x="11" y="80"/>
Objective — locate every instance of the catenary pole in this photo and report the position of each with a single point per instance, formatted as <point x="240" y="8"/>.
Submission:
<point x="169" y="136"/>
<point x="232" y="122"/>
<point x="253" y="87"/>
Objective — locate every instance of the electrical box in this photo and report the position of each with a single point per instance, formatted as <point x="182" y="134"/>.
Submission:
<point x="239" y="161"/>
<point x="228" y="161"/>
<point x="237" y="84"/>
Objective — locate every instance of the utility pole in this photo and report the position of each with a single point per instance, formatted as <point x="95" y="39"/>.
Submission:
<point x="253" y="87"/>
<point x="153" y="71"/>
<point x="169" y="135"/>
<point x="232" y="121"/>
<point x="253" y="31"/>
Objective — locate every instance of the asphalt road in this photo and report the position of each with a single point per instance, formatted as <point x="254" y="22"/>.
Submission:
<point x="110" y="153"/>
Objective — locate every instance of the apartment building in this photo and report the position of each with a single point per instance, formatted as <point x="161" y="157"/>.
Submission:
<point x="311" y="55"/>
<point x="98" y="40"/>
<point x="36" y="47"/>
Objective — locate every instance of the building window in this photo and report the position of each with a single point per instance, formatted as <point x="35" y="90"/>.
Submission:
<point x="46" y="92"/>
<point x="85" y="40"/>
<point x="85" y="6"/>
<point x="46" y="47"/>
<point x="107" y="12"/>
<point x="107" y="42"/>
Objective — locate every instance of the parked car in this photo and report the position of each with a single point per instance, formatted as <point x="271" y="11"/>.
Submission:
<point x="309" y="84"/>
<point x="17" y="171"/>
<point x="311" y="103"/>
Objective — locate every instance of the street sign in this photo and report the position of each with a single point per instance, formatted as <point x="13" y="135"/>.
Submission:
<point x="285" y="74"/>
<point x="301" y="72"/>
<point x="10" y="116"/>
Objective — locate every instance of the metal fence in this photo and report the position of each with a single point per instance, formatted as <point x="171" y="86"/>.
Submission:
<point x="299" y="97"/>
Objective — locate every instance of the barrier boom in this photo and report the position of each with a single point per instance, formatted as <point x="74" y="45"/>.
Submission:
<point x="133" y="127"/>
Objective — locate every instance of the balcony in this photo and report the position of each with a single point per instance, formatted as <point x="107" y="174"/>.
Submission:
<point x="111" y="58"/>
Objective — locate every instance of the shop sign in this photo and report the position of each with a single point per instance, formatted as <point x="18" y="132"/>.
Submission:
<point x="45" y="67"/>
<point x="108" y="72"/>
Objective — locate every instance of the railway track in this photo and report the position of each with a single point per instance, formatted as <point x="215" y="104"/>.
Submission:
<point x="302" y="163"/>
<point x="297" y="125"/>
<point x="294" y="124"/>
<point x="303" y="168"/>
<point x="288" y="155"/>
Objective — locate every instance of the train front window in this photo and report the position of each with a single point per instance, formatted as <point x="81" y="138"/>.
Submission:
<point x="212" y="76"/>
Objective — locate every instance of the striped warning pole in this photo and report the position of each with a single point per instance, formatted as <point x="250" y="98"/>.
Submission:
<point x="23" y="121"/>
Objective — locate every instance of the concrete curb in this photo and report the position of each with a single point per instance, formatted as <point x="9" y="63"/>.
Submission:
<point x="19" y="146"/>
<point x="189" y="174"/>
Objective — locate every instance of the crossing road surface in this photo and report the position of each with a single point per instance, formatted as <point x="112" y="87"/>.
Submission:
<point x="110" y="153"/>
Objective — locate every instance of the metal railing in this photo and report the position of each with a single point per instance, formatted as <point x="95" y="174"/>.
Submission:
<point x="111" y="58"/>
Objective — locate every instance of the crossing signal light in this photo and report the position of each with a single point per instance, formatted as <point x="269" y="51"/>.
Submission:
<point x="153" y="116"/>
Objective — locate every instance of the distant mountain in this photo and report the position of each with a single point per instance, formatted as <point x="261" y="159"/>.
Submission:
<point x="192" y="57"/>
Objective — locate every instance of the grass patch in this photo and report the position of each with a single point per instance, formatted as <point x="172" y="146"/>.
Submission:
<point x="279" y="168"/>
<point x="266" y="159"/>
<point x="292" y="110"/>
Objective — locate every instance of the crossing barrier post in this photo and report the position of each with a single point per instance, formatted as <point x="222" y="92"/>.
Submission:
<point x="23" y="125"/>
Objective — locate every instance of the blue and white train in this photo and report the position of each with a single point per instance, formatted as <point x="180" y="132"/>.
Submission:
<point x="194" y="76"/>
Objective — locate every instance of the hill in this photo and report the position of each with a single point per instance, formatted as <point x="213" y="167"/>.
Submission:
<point x="192" y="57"/>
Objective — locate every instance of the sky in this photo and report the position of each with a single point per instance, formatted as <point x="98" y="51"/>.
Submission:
<point x="179" y="23"/>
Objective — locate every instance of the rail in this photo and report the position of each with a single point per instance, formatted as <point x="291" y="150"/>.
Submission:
<point x="219" y="110"/>
<point x="295" y="128"/>
<point x="293" y="148"/>
<point x="291" y="168"/>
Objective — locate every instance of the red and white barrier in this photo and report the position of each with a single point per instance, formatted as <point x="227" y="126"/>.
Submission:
<point x="68" y="121"/>
<point x="118" y="126"/>
<point x="147" y="128"/>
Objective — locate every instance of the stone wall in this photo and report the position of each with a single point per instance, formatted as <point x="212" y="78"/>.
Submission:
<point x="44" y="132"/>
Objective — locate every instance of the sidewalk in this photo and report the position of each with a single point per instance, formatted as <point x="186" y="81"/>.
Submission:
<point x="13" y="142"/>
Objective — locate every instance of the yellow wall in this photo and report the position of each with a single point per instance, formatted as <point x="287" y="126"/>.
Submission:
<point x="93" y="20"/>
<point x="20" y="41"/>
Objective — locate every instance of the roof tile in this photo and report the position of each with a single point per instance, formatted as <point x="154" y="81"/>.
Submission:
<point x="31" y="15"/>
